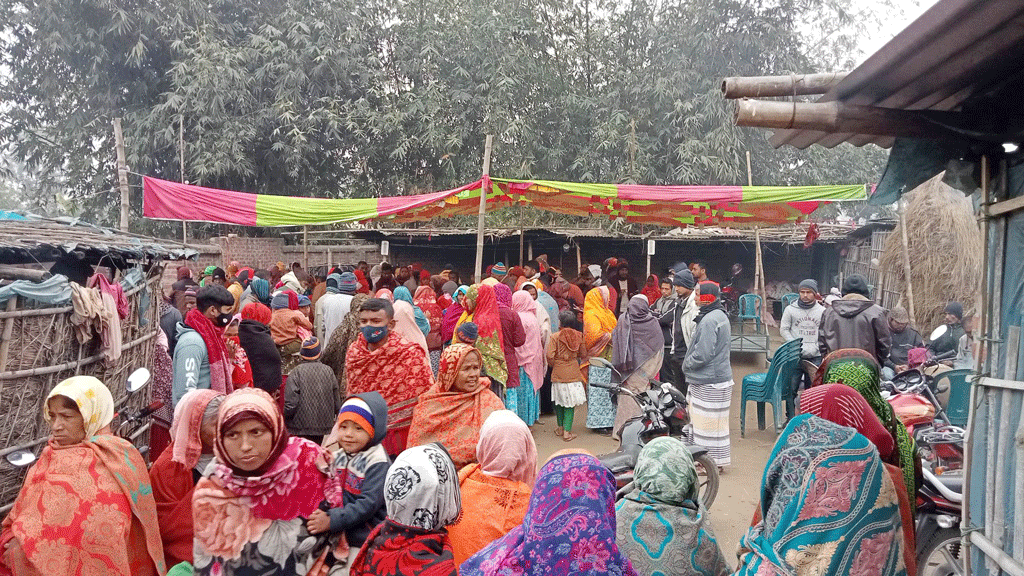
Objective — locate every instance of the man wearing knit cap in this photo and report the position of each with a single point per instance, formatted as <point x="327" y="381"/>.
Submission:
<point x="683" y="324"/>
<point x="854" y="321"/>
<point x="336" y="304"/>
<point x="467" y="333"/>
<point x="800" y="320"/>
<point x="311" y="397"/>
<point x="904" y="339"/>
<point x="498" y="271"/>
<point x="945" y="346"/>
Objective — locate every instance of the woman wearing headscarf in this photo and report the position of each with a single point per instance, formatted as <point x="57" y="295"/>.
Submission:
<point x="385" y="294"/>
<point x="453" y="410"/>
<point x="638" y="347"/>
<point x="405" y="324"/>
<point x="255" y="338"/>
<point x="249" y="509"/>
<point x="86" y="506"/>
<point x="665" y="493"/>
<point x="442" y="298"/>
<point x="550" y="306"/>
<point x="709" y="376"/>
<point x="512" y="334"/>
<point x="652" y="289"/>
<point x="569" y="528"/>
<point x="402" y="294"/>
<point x="482" y="309"/>
<point x="846" y="407"/>
<point x="421" y="494"/>
<point x="598" y="324"/>
<point x="426" y="301"/>
<point x="363" y="283"/>
<point x="453" y="314"/>
<point x="529" y="357"/>
<point x="807" y="526"/>
<point x="375" y="273"/>
<point x="343" y="336"/>
<point x="177" y="470"/>
<point x="859" y="370"/>
<point x="495" y="490"/>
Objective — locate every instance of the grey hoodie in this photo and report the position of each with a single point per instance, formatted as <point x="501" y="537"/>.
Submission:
<point x="855" y="322"/>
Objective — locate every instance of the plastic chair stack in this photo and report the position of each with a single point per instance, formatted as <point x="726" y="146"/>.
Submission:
<point x="959" y="404"/>
<point x="773" y="387"/>
<point x="750" y="309"/>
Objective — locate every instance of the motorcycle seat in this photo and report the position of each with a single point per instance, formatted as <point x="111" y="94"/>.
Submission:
<point x="618" y="462"/>
<point x="954" y="482"/>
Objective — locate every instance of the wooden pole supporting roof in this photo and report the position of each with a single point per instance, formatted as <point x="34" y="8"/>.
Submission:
<point x="791" y="85"/>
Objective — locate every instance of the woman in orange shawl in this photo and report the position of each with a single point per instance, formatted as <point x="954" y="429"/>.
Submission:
<point x="496" y="490"/>
<point x="598" y="324"/>
<point x="482" y="310"/>
<point x="454" y="408"/>
<point x="86" y="506"/>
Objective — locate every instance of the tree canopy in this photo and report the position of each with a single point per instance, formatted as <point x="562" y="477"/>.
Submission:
<point x="346" y="98"/>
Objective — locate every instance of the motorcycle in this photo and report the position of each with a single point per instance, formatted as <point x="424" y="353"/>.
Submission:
<point x="939" y="512"/>
<point x="663" y="414"/>
<point x="129" y="428"/>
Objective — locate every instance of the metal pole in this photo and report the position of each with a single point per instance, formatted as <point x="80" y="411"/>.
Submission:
<point x="122" y="172"/>
<point x="181" y="158"/>
<point x="485" y="180"/>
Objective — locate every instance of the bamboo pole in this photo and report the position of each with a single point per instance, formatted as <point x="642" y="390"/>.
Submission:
<point x="906" y="261"/>
<point x="74" y="364"/>
<point x="579" y="258"/>
<point x="8" y="334"/>
<point x="181" y="160"/>
<point x="122" y="172"/>
<point x="758" y="261"/>
<point x="484" y="181"/>
<point x="305" y="248"/>
<point x="772" y="86"/>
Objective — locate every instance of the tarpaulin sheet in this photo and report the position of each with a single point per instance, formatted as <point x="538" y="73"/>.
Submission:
<point x="674" y="206"/>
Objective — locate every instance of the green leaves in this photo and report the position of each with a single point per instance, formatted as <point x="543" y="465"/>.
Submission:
<point x="355" y="98"/>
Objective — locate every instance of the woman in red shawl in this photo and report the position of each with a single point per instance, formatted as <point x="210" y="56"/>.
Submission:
<point x="364" y="284"/>
<point x="176" y="471"/>
<point x="482" y="309"/>
<point x="652" y="289"/>
<point x="427" y="302"/>
<point x="513" y="335"/>
<point x="453" y="314"/>
<point x="454" y="408"/>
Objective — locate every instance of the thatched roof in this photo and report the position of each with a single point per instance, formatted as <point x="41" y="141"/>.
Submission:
<point x="36" y="239"/>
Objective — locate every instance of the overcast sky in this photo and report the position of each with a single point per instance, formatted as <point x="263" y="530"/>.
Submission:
<point x="895" y="22"/>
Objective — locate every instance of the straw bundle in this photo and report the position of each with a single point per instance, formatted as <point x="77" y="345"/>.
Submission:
<point x="945" y="247"/>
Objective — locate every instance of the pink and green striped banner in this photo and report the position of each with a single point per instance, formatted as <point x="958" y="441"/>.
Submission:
<point x="673" y="206"/>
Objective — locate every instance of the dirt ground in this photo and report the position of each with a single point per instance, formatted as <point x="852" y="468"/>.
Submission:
<point x="740" y="483"/>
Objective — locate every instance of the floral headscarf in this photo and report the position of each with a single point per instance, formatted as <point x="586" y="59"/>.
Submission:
<point x="569" y="527"/>
<point x="828" y="507"/>
<point x="667" y="492"/>
<point x="598" y="320"/>
<point x="422" y="488"/>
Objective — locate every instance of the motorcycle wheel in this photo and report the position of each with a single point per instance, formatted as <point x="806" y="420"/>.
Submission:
<point x="941" y="555"/>
<point x="707" y="474"/>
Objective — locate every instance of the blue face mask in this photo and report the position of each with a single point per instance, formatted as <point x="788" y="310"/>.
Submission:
<point x="374" y="334"/>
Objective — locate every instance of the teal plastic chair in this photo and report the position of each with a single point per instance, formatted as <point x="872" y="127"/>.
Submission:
<point x="773" y="387"/>
<point x="750" y="309"/>
<point x="788" y="299"/>
<point x="959" y="404"/>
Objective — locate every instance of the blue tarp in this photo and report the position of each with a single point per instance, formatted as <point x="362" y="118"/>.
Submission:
<point x="54" y="290"/>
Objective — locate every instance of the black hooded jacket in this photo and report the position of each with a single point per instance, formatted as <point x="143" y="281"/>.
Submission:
<point x="855" y="322"/>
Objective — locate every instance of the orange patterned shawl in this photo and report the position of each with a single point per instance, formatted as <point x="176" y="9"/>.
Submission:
<point x="84" y="509"/>
<point x="598" y="320"/>
<point x="451" y="416"/>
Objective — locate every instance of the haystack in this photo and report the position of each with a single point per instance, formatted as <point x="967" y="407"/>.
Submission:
<point x="945" y="246"/>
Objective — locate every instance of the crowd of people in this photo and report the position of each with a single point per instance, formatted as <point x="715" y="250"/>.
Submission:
<point x="377" y="420"/>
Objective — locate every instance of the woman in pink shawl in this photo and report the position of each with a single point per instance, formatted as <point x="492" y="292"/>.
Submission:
<point x="453" y="313"/>
<point x="523" y="400"/>
<point x="405" y="325"/>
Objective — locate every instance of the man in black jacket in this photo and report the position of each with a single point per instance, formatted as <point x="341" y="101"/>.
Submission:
<point x="664" y="310"/>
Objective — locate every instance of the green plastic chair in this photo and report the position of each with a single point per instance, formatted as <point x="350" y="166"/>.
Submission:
<point x="750" y="309"/>
<point x="788" y="299"/>
<point x="772" y="387"/>
<point x="959" y="405"/>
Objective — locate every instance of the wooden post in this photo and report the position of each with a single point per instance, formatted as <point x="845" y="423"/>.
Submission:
<point x="579" y="258"/>
<point x="8" y="334"/>
<point x="330" y="261"/>
<point x="529" y="250"/>
<point x="483" y="209"/>
<point x="181" y="159"/>
<point x="122" y="173"/>
<point x="759" y="283"/>
<point x="906" y="261"/>
<point x="305" y="248"/>
<point x="879" y="288"/>
<point x="522" y="239"/>
<point x="982" y="324"/>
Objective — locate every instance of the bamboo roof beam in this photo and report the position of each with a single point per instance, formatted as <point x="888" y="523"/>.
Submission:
<point x="791" y="85"/>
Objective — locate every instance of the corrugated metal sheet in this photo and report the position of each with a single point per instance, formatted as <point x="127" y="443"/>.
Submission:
<point x="955" y="51"/>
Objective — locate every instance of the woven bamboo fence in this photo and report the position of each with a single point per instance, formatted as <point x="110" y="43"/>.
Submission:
<point x="39" y="349"/>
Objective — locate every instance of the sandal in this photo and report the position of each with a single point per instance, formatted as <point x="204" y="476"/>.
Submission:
<point x="570" y="437"/>
<point x="558" y="432"/>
